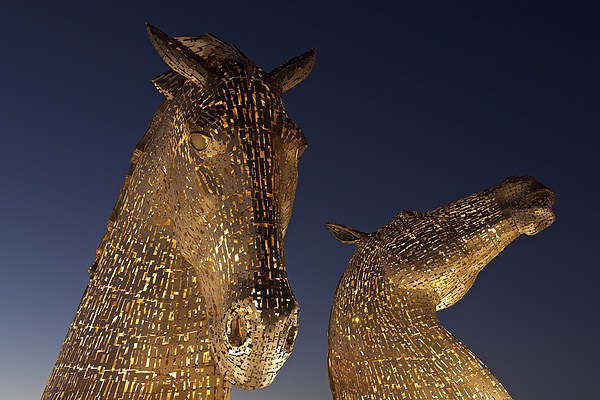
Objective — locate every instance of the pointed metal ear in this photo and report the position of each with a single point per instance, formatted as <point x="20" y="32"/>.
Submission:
<point x="295" y="70"/>
<point x="179" y="57"/>
<point x="169" y="83"/>
<point x="345" y="234"/>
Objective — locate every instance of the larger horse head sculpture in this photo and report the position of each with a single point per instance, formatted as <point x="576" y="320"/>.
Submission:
<point x="385" y="341"/>
<point x="190" y="281"/>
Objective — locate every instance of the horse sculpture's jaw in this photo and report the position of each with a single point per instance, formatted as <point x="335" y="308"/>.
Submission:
<point x="384" y="338"/>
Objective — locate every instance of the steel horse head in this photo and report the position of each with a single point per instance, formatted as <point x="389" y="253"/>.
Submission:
<point x="233" y="161"/>
<point x="207" y="201"/>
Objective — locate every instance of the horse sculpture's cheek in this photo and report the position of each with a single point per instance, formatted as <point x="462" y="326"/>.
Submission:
<point x="449" y="297"/>
<point x="413" y="277"/>
<point x="190" y="226"/>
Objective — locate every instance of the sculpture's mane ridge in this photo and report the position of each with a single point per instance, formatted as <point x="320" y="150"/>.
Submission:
<point x="137" y="153"/>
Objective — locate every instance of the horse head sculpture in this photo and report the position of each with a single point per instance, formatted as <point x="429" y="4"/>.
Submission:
<point x="236" y="151"/>
<point x="207" y="202"/>
<point x="385" y="340"/>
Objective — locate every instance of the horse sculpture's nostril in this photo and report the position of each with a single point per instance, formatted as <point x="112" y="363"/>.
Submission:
<point x="291" y="337"/>
<point x="290" y="331"/>
<point x="238" y="330"/>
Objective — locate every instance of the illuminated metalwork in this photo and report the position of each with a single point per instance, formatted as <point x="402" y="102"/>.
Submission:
<point x="189" y="293"/>
<point x="385" y="341"/>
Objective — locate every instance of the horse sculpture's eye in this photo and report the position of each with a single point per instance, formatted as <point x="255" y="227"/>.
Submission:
<point x="199" y="140"/>
<point x="300" y="150"/>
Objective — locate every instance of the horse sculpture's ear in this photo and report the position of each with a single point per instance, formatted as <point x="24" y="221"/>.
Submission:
<point x="294" y="71"/>
<point x="168" y="83"/>
<point x="345" y="234"/>
<point x="179" y="57"/>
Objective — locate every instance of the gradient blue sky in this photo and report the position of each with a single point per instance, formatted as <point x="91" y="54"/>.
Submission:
<point x="409" y="107"/>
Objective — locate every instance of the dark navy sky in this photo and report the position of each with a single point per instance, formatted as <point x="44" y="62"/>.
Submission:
<point x="409" y="107"/>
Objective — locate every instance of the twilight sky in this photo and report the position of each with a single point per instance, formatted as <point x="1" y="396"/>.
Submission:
<point x="409" y="107"/>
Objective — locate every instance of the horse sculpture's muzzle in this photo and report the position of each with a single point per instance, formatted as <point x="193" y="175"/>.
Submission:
<point x="244" y="318"/>
<point x="527" y="202"/>
<point x="256" y="340"/>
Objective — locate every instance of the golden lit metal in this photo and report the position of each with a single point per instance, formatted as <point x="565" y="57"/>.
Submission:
<point x="189" y="293"/>
<point x="385" y="341"/>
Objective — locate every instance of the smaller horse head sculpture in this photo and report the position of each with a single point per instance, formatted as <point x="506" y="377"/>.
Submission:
<point x="226" y="158"/>
<point x="384" y="337"/>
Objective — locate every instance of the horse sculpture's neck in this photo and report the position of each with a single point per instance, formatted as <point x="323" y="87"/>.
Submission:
<point x="140" y="329"/>
<point x="398" y="342"/>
